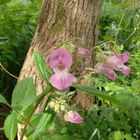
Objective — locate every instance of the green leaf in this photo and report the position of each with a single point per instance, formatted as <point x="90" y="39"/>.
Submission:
<point x="28" y="101"/>
<point x="43" y="70"/>
<point x="10" y="126"/>
<point x="27" y="104"/>
<point x="97" y="93"/>
<point x="23" y="89"/>
<point x="41" y="123"/>
<point x="44" y="122"/>
<point x="3" y="100"/>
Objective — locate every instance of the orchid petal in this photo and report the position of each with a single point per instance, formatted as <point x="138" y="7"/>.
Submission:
<point x="62" y="80"/>
<point x="108" y="72"/>
<point x="124" y="69"/>
<point x="113" y="60"/>
<point x="124" y="57"/>
<point x="60" y="56"/>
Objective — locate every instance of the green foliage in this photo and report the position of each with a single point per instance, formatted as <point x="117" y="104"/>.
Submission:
<point x="40" y="123"/>
<point x="24" y="88"/>
<point x="4" y="2"/>
<point x="10" y="126"/>
<point x="43" y="70"/>
<point x="17" y="26"/>
<point x="3" y="100"/>
<point x="98" y="93"/>
<point x="24" y="103"/>
<point x="117" y="135"/>
<point x="119" y="31"/>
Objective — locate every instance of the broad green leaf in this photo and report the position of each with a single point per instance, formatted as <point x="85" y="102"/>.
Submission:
<point x="26" y="112"/>
<point x="27" y="101"/>
<point x="28" y="108"/>
<point x="97" y="93"/>
<point x="3" y="100"/>
<point x="27" y="104"/>
<point x="10" y="126"/>
<point x="23" y="89"/>
<point x="43" y="70"/>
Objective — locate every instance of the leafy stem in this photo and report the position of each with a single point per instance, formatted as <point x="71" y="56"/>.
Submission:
<point x="32" y="112"/>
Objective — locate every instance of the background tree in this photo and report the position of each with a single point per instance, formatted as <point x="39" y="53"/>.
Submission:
<point x="64" y="21"/>
<point x="72" y="22"/>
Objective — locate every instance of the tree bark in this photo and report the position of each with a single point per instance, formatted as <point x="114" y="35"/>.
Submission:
<point x="73" y="21"/>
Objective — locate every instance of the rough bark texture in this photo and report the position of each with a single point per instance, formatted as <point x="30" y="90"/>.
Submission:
<point x="74" y="21"/>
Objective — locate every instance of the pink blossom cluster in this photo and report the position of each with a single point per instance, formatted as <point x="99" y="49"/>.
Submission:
<point x="60" y="62"/>
<point x="113" y="63"/>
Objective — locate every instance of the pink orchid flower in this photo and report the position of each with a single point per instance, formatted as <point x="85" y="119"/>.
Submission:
<point x="113" y="62"/>
<point x="60" y="62"/>
<point x="108" y="72"/>
<point x="73" y="117"/>
<point x="117" y="63"/>
<point x="60" y="59"/>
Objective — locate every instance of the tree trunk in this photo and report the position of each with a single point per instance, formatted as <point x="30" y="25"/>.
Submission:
<point x="61" y="21"/>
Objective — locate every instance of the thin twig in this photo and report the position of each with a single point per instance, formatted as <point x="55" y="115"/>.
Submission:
<point x="8" y="71"/>
<point x="135" y="29"/>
